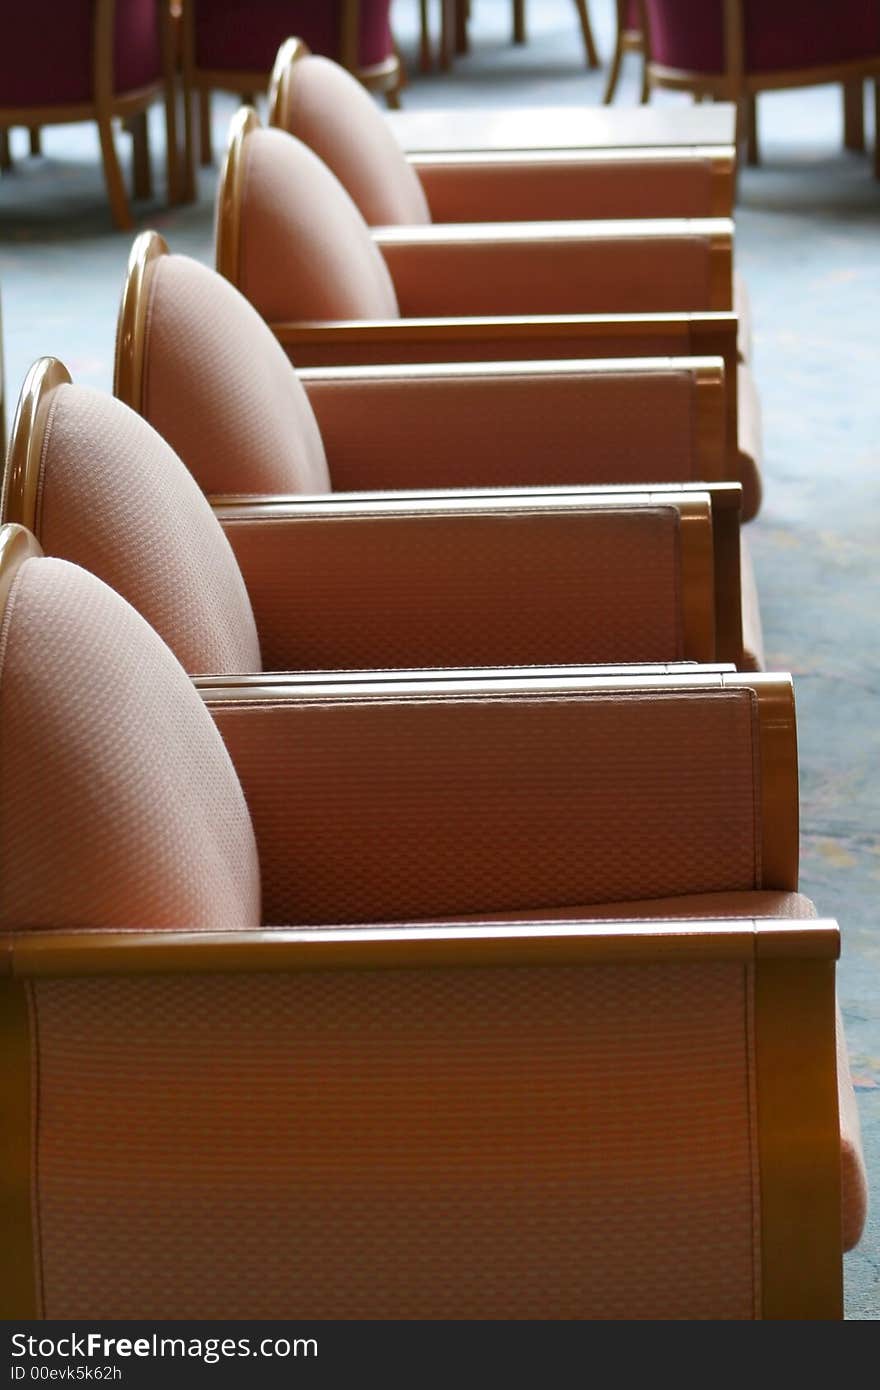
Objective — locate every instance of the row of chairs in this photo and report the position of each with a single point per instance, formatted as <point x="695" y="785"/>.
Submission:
<point x="411" y="956"/>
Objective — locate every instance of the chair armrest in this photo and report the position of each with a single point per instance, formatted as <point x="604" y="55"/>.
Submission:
<point x="560" y="267"/>
<point x="492" y="580"/>
<point x="492" y="339"/>
<point x="392" y="802"/>
<point x="523" y="185"/>
<point x="486" y="1062"/>
<point x="629" y="420"/>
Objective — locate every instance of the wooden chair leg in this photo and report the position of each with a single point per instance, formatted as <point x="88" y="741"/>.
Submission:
<point x="645" y="94"/>
<point x="613" y="74"/>
<point x="113" y="175"/>
<point x="854" y="116"/>
<point x="205" y="144"/>
<point x="462" y="14"/>
<point x="753" y="152"/>
<point x="426" y="60"/>
<point x="36" y="140"/>
<point x="446" y="45"/>
<point x="587" y="31"/>
<point x="5" y="156"/>
<point x="140" y="146"/>
<point x="392" y="98"/>
<point x="519" y="21"/>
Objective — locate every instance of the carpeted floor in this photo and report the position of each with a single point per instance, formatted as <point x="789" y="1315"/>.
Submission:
<point x="807" y="229"/>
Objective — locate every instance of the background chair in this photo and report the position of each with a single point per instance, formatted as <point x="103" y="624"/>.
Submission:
<point x="370" y="580"/>
<point x="733" y="49"/>
<point x="80" y="60"/>
<point x="231" y="45"/>
<point x="630" y="38"/>
<point x="318" y="101"/>
<point x="142" y="970"/>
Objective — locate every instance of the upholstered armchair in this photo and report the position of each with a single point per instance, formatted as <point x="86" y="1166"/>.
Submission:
<point x="231" y="45"/>
<point x="316" y="943"/>
<point x="194" y="358"/>
<point x="92" y="60"/>
<point x="393" y="580"/>
<point x="734" y="49"/>
<point x="323" y="106"/>
<point x="337" y="293"/>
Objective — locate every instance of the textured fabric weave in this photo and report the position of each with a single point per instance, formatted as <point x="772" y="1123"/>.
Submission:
<point x="332" y="114"/>
<point x="305" y="252"/>
<point x="524" y="428"/>
<point x="410" y="807"/>
<point x="523" y="1143"/>
<point x="115" y="499"/>
<point x="120" y="805"/>
<point x="220" y="389"/>
<point x="465" y="590"/>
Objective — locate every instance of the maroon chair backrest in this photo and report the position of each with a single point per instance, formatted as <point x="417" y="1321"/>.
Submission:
<point x="46" y="51"/>
<point x="245" y="35"/>
<point x="777" y="34"/>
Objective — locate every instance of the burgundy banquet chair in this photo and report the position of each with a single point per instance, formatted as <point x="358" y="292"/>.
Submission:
<point x="230" y="45"/>
<point x="91" y="60"/>
<point x="733" y="49"/>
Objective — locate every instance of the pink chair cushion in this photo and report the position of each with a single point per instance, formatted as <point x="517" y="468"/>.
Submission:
<point x="122" y="808"/>
<point x="221" y="390"/>
<point x="245" y="35"/>
<point x="115" y="499"/>
<point x="633" y="15"/>
<point x="780" y="35"/>
<point x="306" y="252"/>
<point x="46" y="52"/>
<point x="332" y="113"/>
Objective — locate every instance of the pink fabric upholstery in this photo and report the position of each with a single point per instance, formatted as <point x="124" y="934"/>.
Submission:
<point x="114" y="498"/>
<point x="633" y="15"/>
<point x="221" y="390"/>
<point x="494" y="189"/>
<point x="331" y="113"/>
<point x="121" y="807"/>
<point x="306" y="252"/>
<point x="548" y="270"/>
<point x="46" y="51"/>
<point x="419" y="1143"/>
<point x="245" y="35"/>
<point x="778" y="34"/>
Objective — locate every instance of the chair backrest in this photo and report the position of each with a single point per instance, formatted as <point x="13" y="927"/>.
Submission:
<point x="288" y="234"/>
<point x="49" y="52"/>
<point x="327" y="109"/>
<point x="120" y="804"/>
<point x="196" y="360"/>
<point x="100" y="488"/>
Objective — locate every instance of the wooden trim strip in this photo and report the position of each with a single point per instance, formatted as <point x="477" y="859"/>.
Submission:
<point x="798" y="1139"/>
<point x="718" y="230"/>
<point x="62" y="954"/>
<point x="131" y="324"/>
<point x="281" y="81"/>
<point x="24" y="460"/>
<point x="779" y="777"/>
<point x="18" y="1268"/>
<point x="713" y="457"/>
<point x="230" y="191"/>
